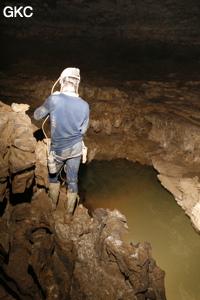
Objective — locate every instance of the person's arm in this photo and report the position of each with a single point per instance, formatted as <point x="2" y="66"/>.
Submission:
<point x="43" y="110"/>
<point x="85" y="123"/>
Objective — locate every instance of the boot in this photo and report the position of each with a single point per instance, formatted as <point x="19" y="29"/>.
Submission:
<point x="54" y="189"/>
<point x="72" y="198"/>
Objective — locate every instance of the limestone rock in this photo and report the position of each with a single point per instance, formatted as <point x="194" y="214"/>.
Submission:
<point x="44" y="258"/>
<point x="106" y="267"/>
<point x="22" y="181"/>
<point x="195" y="216"/>
<point x="184" y="183"/>
<point x="17" y="152"/>
<point x="20" y="107"/>
<point x="41" y="170"/>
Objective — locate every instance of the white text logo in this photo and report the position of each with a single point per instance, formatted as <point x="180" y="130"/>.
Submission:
<point x="13" y="12"/>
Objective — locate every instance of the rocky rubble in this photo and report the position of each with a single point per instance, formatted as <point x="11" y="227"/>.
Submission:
<point x="41" y="257"/>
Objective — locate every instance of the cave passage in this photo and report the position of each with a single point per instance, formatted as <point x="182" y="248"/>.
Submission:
<point x="152" y="215"/>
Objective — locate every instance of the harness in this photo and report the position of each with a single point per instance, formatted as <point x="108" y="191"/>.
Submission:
<point x="83" y="152"/>
<point x="51" y="156"/>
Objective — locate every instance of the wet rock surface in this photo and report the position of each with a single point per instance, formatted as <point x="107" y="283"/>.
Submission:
<point x="44" y="258"/>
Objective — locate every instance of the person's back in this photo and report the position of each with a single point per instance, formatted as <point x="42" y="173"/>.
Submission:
<point x="68" y="117"/>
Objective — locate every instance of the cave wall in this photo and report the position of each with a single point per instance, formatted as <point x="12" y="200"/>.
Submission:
<point x="140" y="64"/>
<point x="147" y="122"/>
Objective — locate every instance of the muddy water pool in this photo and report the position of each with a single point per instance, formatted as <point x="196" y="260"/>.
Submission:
<point x="152" y="215"/>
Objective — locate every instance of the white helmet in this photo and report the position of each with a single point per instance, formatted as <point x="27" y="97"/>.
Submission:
<point x="70" y="75"/>
<point x="70" y="72"/>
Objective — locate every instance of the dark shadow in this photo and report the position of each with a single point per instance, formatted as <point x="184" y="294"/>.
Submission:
<point x="8" y="290"/>
<point x="24" y="197"/>
<point x="34" y="276"/>
<point x="81" y="174"/>
<point x="39" y="135"/>
<point x="3" y="205"/>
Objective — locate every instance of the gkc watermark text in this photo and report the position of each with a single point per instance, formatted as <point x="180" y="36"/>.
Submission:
<point x="22" y="12"/>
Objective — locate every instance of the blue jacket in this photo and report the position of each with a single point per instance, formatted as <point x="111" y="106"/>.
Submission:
<point x="69" y="118"/>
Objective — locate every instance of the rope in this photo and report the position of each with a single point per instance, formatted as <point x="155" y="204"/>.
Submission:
<point x="43" y="126"/>
<point x="48" y="139"/>
<point x="64" y="158"/>
<point x="54" y="85"/>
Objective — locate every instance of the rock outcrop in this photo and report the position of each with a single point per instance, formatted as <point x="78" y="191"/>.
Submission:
<point x="43" y="258"/>
<point x="17" y="153"/>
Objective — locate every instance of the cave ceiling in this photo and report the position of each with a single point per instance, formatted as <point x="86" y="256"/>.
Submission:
<point x="103" y="37"/>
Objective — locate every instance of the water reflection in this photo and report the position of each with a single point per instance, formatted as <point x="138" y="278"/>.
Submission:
<point x="152" y="215"/>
